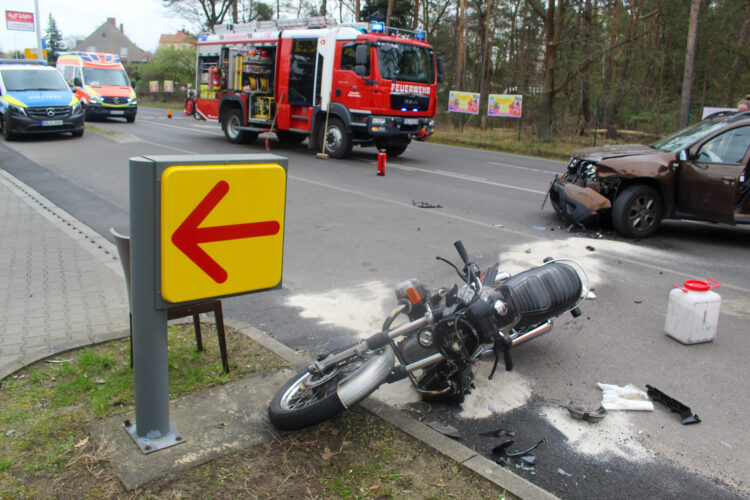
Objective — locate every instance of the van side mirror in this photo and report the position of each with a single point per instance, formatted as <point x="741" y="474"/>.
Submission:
<point x="439" y="61"/>
<point x="361" y="55"/>
<point x="77" y="82"/>
<point x="132" y="83"/>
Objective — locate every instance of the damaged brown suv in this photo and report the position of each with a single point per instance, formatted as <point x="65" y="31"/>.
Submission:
<point x="701" y="172"/>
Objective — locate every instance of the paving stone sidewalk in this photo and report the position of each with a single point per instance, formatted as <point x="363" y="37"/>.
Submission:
<point x="61" y="283"/>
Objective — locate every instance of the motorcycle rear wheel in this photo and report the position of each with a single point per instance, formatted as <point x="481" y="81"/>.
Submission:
<point x="308" y="399"/>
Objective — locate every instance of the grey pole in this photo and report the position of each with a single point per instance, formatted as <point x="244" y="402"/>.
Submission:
<point x="151" y="429"/>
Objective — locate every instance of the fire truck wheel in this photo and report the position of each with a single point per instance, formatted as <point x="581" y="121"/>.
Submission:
<point x="233" y="120"/>
<point x="288" y="137"/>
<point x="337" y="140"/>
<point x="394" y="151"/>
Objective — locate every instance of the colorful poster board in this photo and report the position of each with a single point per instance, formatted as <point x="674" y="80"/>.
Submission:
<point x="153" y="86"/>
<point x="168" y="86"/>
<point x="505" y="105"/>
<point x="463" y="102"/>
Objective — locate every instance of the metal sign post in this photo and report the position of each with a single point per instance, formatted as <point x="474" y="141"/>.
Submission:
<point x="201" y="227"/>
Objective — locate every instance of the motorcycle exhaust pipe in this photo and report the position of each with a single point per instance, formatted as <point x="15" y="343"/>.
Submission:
<point x="365" y="379"/>
<point x="532" y="334"/>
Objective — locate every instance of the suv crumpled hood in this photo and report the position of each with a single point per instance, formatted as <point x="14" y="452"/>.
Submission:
<point x="619" y="150"/>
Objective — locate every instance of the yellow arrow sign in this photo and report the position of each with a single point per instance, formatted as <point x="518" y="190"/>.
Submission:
<point x="222" y="230"/>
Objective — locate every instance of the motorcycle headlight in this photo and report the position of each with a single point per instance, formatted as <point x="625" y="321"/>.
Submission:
<point x="17" y="110"/>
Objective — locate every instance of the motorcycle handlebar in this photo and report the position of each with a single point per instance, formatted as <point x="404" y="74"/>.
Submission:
<point x="462" y="251"/>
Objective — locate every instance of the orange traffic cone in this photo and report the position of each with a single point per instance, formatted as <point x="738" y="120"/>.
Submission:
<point x="381" y="162"/>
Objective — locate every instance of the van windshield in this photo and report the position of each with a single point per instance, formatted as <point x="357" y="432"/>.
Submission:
<point x="407" y="63"/>
<point x="32" y="79"/>
<point x="102" y="76"/>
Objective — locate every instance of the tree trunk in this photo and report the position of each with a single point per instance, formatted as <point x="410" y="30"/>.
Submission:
<point x="388" y="13"/>
<point x="484" y="70"/>
<point x="323" y="8"/>
<point x="609" y="107"/>
<point x="415" y="22"/>
<point x="552" y="28"/>
<point x="588" y="31"/>
<point x="735" y="72"/>
<point x="687" y="77"/>
<point x="356" y="11"/>
<point x="458" y="80"/>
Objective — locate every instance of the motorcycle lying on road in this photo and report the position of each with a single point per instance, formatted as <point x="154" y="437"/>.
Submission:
<point x="438" y="347"/>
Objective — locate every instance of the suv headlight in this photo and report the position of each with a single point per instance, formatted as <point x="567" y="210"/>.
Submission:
<point x="76" y="108"/>
<point x="588" y="171"/>
<point x="17" y="110"/>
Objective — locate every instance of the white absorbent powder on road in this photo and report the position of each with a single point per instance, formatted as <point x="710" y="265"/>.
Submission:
<point x="612" y="436"/>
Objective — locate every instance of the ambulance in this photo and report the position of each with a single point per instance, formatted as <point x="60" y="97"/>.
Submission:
<point x="101" y="83"/>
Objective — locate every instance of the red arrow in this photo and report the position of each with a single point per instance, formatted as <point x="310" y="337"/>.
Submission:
<point x="188" y="235"/>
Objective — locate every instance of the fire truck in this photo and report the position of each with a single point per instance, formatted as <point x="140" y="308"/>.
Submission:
<point x="335" y="85"/>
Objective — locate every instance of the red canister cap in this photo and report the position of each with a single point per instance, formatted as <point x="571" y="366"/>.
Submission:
<point x="699" y="286"/>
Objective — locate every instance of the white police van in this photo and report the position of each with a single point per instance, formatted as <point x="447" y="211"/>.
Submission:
<point x="34" y="99"/>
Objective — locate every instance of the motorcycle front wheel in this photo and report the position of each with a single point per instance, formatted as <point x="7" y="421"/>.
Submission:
<point x="308" y="399"/>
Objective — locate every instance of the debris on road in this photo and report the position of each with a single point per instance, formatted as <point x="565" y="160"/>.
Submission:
<point x="425" y="204"/>
<point x="539" y="228"/>
<point x="525" y="452"/>
<point x="675" y="406"/>
<point x="589" y="416"/>
<point x="563" y="473"/>
<point x="498" y="433"/>
<point x="502" y="447"/>
<point x="446" y="429"/>
<point x="628" y="397"/>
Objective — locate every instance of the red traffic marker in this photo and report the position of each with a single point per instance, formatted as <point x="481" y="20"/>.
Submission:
<point x="169" y="113"/>
<point x="189" y="235"/>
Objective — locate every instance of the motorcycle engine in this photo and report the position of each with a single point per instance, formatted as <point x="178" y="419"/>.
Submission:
<point x="420" y="346"/>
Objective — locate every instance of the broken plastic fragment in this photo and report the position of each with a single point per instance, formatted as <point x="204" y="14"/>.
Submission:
<point x="446" y="429"/>
<point x="529" y="459"/>
<point x="524" y="452"/>
<point x="582" y="414"/>
<point x="539" y="228"/>
<point x="502" y="447"/>
<point x="674" y="405"/>
<point x="590" y="296"/>
<point x="628" y="397"/>
<point x="563" y="473"/>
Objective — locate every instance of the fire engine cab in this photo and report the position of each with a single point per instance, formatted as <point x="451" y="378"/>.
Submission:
<point x="337" y="85"/>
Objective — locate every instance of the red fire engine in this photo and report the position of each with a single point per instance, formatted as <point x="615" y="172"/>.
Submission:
<point x="337" y="85"/>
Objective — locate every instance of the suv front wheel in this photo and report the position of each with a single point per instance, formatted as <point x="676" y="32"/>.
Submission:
<point x="637" y="211"/>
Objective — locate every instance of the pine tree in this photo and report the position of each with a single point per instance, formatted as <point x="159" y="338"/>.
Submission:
<point x="54" y="41"/>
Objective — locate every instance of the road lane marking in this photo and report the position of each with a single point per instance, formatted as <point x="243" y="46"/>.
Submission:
<point x="465" y="178"/>
<point x="522" y="168"/>
<point x="160" y="124"/>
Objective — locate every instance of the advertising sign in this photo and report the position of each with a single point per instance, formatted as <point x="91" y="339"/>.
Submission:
<point x="19" y="21"/>
<point x="505" y="105"/>
<point x="168" y="86"/>
<point x="463" y="102"/>
<point x="153" y="86"/>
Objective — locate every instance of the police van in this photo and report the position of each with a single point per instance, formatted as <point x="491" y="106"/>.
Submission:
<point x="34" y="99"/>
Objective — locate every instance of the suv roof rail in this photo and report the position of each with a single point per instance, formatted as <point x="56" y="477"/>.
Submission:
<point x="740" y="115"/>
<point x="23" y="61"/>
<point x="720" y="114"/>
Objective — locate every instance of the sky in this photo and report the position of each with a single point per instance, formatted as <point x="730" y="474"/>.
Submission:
<point x="144" y="21"/>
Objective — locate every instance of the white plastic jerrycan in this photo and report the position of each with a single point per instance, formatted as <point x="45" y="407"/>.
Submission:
<point x="693" y="311"/>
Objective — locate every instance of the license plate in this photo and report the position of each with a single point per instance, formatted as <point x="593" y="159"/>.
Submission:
<point x="52" y="123"/>
<point x="411" y="121"/>
<point x="117" y="112"/>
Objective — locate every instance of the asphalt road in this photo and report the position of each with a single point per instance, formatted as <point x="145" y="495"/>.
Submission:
<point x="351" y="235"/>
